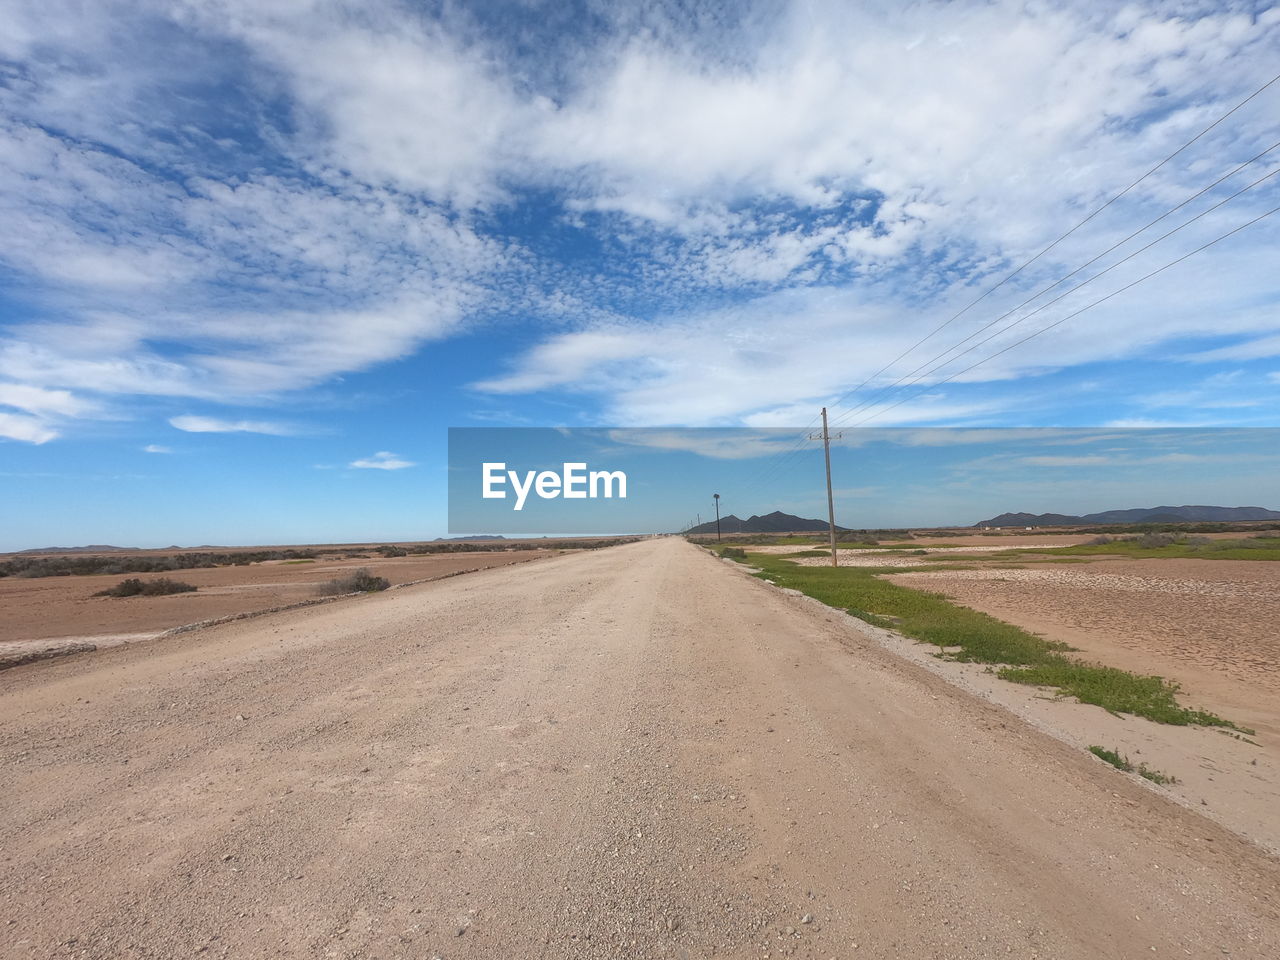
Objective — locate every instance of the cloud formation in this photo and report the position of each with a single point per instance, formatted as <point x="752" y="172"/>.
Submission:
<point x="193" y="424"/>
<point x="382" y="460"/>
<point x="694" y="221"/>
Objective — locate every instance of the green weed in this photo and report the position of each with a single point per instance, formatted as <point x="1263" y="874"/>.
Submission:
<point x="1121" y="762"/>
<point x="1246" y="548"/>
<point x="970" y="636"/>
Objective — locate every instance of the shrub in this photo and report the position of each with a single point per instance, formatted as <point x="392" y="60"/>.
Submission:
<point x="1121" y="762"/>
<point x="76" y="565"/>
<point x="133" y="587"/>
<point x="359" y="581"/>
<point x="1150" y="541"/>
<point x="733" y="553"/>
<point x="1101" y="541"/>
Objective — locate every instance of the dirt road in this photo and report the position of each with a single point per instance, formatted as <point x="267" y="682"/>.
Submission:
<point x="640" y="752"/>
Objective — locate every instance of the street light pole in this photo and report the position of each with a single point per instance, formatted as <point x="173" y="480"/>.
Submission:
<point x="717" y="499"/>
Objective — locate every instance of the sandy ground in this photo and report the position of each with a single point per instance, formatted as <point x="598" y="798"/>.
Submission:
<point x="1009" y="541"/>
<point x="1212" y="625"/>
<point x="915" y="557"/>
<point x="47" y="608"/>
<point x="640" y="752"/>
<point x="1209" y="625"/>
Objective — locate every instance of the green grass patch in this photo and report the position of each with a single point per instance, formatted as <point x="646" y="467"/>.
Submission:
<point x="1246" y="548"/>
<point x="970" y="636"/>
<point x="1112" y="757"/>
<point x="1113" y="689"/>
<point x="929" y="617"/>
<point x="1121" y="762"/>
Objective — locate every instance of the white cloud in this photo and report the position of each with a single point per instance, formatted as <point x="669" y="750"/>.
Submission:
<point x="105" y="230"/>
<point x="41" y="411"/>
<point x="719" y="445"/>
<point x="1065" y="461"/>
<point x="156" y="448"/>
<point x="382" y="460"/>
<point x="841" y="99"/>
<point x="390" y="96"/>
<point x="192" y="424"/>
<point x="1133" y="455"/>
<point x="17" y="426"/>
<point x="43" y="402"/>
<point x="848" y="174"/>
<point x="1253" y="349"/>
<point x="794" y="350"/>
<point x="1146" y="423"/>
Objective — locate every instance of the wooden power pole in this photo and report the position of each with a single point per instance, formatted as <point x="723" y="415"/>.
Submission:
<point x="831" y="503"/>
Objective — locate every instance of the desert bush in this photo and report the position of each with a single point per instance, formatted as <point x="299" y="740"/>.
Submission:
<point x="133" y="587"/>
<point x="1151" y="541"/>
<point x="1101" y="541"/>
<point x="82" y="565"/>
<point x="359" y="581"/>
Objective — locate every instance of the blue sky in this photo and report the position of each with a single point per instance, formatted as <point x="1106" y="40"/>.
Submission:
<point x="259" y="256"/>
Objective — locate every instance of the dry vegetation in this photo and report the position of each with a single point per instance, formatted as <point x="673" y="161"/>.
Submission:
<point x="1223" y="614"/>
<point x="46" y="602"/>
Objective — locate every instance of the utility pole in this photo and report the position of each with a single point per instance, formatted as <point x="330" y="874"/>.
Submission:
<point x="717" y="498"/>
<point x="831" y="504"/>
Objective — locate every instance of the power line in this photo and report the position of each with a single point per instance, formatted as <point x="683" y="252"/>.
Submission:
<point x="780" y="460"/>
<point x="1049" y="303"/>
<point x="769" y="468"/>
<point x="1043" y="290"/>
<point x="1027" y="263"/>
<point x="1070" y="316"/>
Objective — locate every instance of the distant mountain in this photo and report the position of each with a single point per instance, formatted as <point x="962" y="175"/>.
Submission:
<point x="1183" y="514"/>
<point x="776" y="522"/>
<point x="92" y="548"/>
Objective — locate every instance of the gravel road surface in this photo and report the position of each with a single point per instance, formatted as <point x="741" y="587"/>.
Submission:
<point x="635" y="752"/>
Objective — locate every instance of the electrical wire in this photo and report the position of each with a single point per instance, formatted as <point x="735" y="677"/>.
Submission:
<point x="1074" y="314"/>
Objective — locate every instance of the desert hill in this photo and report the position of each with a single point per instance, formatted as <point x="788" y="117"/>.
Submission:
<point x="776" y="522"/>
<point x="1183" y="514"/>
